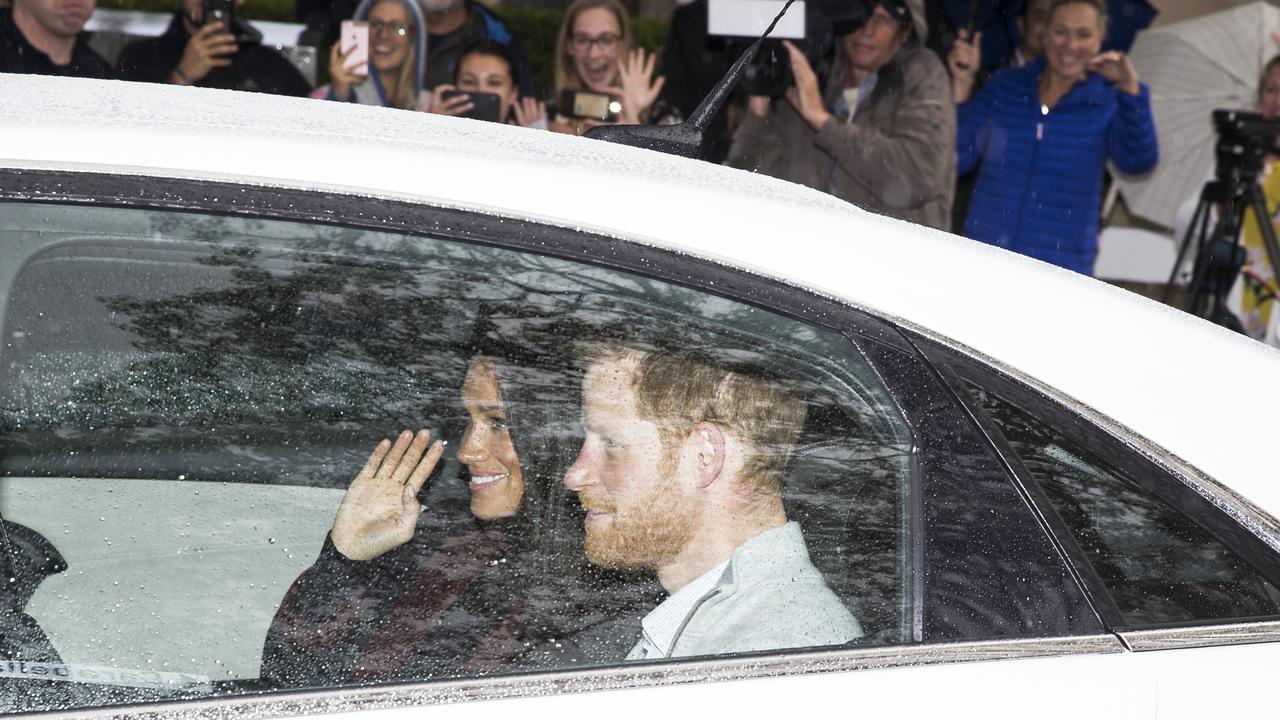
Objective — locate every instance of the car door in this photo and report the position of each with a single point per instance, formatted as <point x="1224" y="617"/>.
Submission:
<point x="189" y="386"/>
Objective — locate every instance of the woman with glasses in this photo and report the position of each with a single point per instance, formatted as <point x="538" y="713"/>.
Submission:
<point x="594" y="56"/>
<point x="397" y="59"/>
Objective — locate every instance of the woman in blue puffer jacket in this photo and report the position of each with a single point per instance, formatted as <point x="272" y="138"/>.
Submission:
<point x="1041" y="134"/>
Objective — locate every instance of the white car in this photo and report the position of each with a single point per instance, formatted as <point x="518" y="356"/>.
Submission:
<point x="1038" y="494"/>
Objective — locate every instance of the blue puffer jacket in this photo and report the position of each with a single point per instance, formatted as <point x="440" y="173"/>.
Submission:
<point x="1039" y="189"/>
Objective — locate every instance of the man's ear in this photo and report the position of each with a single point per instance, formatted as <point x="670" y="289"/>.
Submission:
<point x="710" y="446"/>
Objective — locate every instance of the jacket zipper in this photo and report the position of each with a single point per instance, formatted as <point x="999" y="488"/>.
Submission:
<point x="675" y="640"/>
<point x="1035" y="156"/>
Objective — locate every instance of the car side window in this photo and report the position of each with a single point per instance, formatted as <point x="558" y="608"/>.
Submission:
<point x="1160" y="564"/>
<point x="187" y="402"/>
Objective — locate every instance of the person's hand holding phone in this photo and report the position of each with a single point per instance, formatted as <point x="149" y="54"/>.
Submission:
<point x="341" y="77"/>
<point x="964" y="60"/>
<point x="452" y="104"/>
<point x="638" y="87"/>
<point x="209" y="48"/>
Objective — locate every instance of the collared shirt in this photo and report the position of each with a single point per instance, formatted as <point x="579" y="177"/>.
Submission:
<point x="662" y="625"/>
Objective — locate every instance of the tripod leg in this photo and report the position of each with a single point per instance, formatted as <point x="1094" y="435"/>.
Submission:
<point x="1268" y="229"/>
<point x="1193" y="231"/>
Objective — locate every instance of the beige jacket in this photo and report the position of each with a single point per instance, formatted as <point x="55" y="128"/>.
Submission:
<point x="897" y="157"/>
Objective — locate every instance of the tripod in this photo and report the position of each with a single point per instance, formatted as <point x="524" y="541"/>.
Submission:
<point x="1219" y="255"/>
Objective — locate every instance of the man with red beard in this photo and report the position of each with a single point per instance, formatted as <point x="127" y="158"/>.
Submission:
<point x="42" y="37"/>
<point x="681" y="472"/>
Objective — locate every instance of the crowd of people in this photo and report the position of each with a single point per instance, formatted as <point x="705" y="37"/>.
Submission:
<point x="1015" y="156"/>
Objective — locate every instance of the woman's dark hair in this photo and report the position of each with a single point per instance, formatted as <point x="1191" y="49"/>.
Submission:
<point x="540" y="387"/>
<point x="490" y="48"/>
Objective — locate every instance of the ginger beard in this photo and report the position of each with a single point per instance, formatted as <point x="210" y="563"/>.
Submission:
<point x="650" y="533"/>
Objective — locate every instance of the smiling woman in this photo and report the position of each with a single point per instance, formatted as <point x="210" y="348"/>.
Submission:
<point x="397" y="59"/>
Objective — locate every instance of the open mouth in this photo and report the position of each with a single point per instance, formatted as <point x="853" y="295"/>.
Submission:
<point x="483" y="482"/>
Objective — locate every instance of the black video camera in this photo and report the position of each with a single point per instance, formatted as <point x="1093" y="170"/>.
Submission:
<point x="813" y="26"/>
<point x="1244" y="141"/>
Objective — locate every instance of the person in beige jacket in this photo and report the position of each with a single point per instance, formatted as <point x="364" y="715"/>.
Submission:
<point x="882" y="136"/>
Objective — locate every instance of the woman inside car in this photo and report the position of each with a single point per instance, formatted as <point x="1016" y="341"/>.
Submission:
<point x="487" y="67"/>
<point x="600" y="78"/>
<point x="397" y="59"/>
<point x="403" y="591"/>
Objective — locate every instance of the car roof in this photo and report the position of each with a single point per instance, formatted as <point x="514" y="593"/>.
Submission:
<point x="1203" y="393"/>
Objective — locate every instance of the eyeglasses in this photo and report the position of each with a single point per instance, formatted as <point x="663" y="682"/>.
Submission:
<point x="581" y="42"/>
<point x="379" y="27"/>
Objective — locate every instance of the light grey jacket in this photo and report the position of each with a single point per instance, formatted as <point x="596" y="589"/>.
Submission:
<point x="770" y="597"/>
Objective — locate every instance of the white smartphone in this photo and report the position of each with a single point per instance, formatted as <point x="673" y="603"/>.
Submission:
<point x="353" y="42"/>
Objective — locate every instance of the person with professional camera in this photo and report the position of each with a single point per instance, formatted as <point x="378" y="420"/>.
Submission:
<point x="600" y="78"/>
<point x="199" y="49"/>
<point x="397" y="59"/>
<point x="1040" y="136"/>
<point x="881" y="136"/>
<point x="42" y="37"/>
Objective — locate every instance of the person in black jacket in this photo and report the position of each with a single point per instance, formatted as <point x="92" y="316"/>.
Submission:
<point x="42" y="37"/>
<point x="195" y="52"/>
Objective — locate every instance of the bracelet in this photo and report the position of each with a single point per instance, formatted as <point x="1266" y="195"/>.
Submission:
<point x="182" y="77"/>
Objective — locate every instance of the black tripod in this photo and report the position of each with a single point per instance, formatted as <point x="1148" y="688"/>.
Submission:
<point x="1219" y="256"/>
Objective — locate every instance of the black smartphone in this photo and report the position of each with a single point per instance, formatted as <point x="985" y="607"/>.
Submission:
<point x="223" y="11"/>
<point x="589" y="105"/>
<point x="485" y="106"/>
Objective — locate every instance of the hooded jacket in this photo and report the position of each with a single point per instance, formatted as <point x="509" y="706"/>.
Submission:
<point x="897" y="155"/>
<point x="372" y="91"/>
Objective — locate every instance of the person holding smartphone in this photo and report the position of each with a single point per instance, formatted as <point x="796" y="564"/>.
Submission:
<point x="484" y="87"/>
<point x="207" y="45"/>
<point x="600" y="78"/>
<point x="396" y="56"/>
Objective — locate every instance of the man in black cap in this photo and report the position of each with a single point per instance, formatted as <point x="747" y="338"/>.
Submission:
<point x="883" y="134"/>
<point x="42" y="37"/>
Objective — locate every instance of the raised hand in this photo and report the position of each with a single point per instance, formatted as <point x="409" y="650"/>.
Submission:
<point x="805" y="95"/>
<point x="210" y="47"/>
<point x="528" y="111"/>
<point x="964" y="60"/>
<point x="341" y="77"/>
<point x="380" y="508"/>
<point x="639" y="89"/>
<point x="1115" y="67"/>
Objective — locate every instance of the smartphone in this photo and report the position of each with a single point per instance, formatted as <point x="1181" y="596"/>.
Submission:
<point x="485" y="106"/>
<point x="594" y="106"/>
<point x="353" y="41"/>
<point x="222" y="11"/>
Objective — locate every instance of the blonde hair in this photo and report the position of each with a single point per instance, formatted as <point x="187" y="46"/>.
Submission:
<point x="1099" y="6"/>
<point x="566" y="72"/>
<point x="402" y="90"/>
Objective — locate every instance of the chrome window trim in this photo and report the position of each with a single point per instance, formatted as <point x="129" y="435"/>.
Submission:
<point x="679" y="672"/>
<point x="1201" y="636"/>
<point x="1239" y="508"/>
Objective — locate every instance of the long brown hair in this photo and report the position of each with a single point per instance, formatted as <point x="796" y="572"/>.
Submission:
<point x="566" y="72"/>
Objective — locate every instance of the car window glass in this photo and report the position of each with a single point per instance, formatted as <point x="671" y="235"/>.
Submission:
<point x="185" y="399"/>
<point x="1158" y="564"/>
